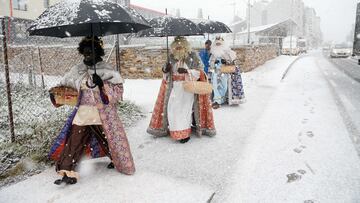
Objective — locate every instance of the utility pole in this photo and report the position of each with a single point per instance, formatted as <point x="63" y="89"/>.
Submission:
<point x="249" y="8"/>
<point x="117" y="50"/>
<point x="291" y="27"/>
<point x="234" y="34"/>
<point x="208" y="33"/>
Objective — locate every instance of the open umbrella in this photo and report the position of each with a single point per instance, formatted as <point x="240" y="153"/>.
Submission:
<point x="170" y="26"/>
<point x="211" y="26"/>
<point x="87" y="18"/>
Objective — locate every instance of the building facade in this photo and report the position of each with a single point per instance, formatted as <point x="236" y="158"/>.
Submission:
<point x="265" y="12"/>
<point x="258" y="13"/>
<point x="31" y="9"/>
<point x="281" y="10"/>
<point x="312" y="27"/>
<point x="25" y="9"/>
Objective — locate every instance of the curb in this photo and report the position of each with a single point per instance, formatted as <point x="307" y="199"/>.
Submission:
<point x="289" y="67"/>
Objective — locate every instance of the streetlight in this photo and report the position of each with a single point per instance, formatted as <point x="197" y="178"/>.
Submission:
<point x="249" y="21"/>
<point x="234" y="34"/>
<point x="291" y="27"/>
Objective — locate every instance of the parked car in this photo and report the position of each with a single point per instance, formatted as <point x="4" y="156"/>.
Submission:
<point x="340" y="50"/>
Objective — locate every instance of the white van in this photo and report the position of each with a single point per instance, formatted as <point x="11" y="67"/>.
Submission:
<point x="302" y="45"/>
<point x="288" y="48"/>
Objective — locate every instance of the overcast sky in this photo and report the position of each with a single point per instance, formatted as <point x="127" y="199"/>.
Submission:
<point x="337" y="16"/>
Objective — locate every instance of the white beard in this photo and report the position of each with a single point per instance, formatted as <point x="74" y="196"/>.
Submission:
<point x="218" y="51"/>
<point x="180" y="54"/>
<point x="224" y="52"/>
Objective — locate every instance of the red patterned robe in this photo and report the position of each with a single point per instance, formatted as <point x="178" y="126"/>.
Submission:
<point x="202" y="111"/>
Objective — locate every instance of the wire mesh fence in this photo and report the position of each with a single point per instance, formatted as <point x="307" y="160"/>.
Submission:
<point x="35" y="64"/>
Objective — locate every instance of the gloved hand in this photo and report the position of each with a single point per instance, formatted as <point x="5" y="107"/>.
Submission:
<point x="182" y="70"/>
<point x="97" y="80"/>
<point x="167" y="68"/>
<point x="223" y="61"/>
<point x="53" y="101"/>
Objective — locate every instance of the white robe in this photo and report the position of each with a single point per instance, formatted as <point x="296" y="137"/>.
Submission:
<point x="180" y="104"/>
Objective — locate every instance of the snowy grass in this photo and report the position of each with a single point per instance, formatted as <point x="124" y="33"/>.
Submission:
<point x="37" y="123"/>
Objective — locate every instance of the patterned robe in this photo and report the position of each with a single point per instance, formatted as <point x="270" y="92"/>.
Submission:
<point x="203" y="115"/>
<point x="111" y="123"/>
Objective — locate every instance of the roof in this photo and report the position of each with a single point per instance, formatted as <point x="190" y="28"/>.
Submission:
<point x="237" y="23"/>
<point x="146" y="9"/>
<point x="258" y="28"/>
<point x="275" y="29"/>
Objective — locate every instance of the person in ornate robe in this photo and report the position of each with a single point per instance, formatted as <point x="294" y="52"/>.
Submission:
<point x="228" y="87"/>
<point x="177" y="112"/>
<point x="93" y="127"/>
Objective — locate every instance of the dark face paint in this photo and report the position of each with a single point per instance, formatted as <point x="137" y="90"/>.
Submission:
<point x="88" y="55"/>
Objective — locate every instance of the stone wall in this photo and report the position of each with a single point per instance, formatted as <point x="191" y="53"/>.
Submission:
<point x="135" y="61"/>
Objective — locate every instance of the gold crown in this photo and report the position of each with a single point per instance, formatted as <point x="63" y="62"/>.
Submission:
<point x="219" y="38"/>
<point x="98" y="40"/>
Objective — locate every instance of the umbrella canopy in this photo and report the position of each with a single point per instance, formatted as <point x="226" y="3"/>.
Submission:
<point x="170" y="26"/>
<point x="211" y="26"/>
<point x="74" y="18"/>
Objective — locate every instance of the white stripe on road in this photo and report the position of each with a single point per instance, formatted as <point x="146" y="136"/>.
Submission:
<point x="348" y="105"/>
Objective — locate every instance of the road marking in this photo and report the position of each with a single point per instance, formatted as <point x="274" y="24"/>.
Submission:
<point x="347" y="102"/>
<point x="333" y="83"/>
<point x="353" y="61"/>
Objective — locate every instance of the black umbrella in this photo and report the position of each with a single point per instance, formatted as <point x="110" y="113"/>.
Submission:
<point x="170" y="26"/>
<point x="87" y="17"/>
<point x="75" y="18"/>
<point x="211" y="26"/>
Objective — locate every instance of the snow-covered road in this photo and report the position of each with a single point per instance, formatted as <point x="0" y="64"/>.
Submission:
<point x="287" y="143"/>
<point x="301" y="150"/>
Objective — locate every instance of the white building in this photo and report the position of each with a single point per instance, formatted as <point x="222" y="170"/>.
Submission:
<point x="265" y="12"/>
<point x="281" y="10"/>
<point x="146" y="12"/>
<point x="312" y="27"/>
<point x="26" y="9"/>
<point x="258" y="13"/>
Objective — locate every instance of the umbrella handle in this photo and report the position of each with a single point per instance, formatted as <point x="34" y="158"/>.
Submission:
<point x="93" y="46"/>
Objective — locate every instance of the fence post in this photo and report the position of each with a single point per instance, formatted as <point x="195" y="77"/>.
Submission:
<point x="41" y="70"/>
<point x="33" y="68"/>
<point x="30" y="76"/>
<point x="7" y="78"/>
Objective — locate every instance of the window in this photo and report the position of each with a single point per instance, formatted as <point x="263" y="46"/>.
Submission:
<point x="46" y="3"/>
<point x="20" y="5"/>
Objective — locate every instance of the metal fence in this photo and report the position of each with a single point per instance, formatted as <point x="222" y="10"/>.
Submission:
<point x="29" y="66"/>
<point x="34" y="64"/>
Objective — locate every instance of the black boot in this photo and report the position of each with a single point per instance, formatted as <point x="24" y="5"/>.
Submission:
<point x="185" y="140"/>
<point x="111" y="165"/>
<point x="66" y="179"/>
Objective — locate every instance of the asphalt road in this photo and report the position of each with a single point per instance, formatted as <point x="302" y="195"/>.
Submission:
<point x="343" y="76"/>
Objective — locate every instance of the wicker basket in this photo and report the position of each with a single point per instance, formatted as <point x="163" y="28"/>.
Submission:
<point x="228" y="69"/>
<point x="197" y="87"/>
<point x="65" y="95"/>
